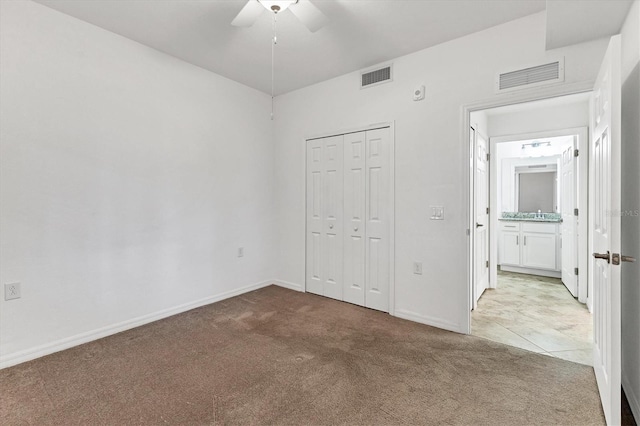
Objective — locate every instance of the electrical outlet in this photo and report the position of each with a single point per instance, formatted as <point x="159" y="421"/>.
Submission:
<point x="240" y="251"/>
<point x="12" y="291"/>
<point x="437" y="213"/>
<point x="417" y="268"/>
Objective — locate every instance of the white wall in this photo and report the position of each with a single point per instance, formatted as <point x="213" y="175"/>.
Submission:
<point x="480" y="121"/>
<point x="128" y="180"/>
<point x="544" y="118"/>
<point x="631" y="205"/>
<point x="430" y="150"/>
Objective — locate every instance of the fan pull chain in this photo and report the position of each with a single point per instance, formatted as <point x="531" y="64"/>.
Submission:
<point x="273" y="54"/>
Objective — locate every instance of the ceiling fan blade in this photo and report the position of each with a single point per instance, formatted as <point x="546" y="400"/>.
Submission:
<point x="249" y="14"/>
<point x="310" y="15"/>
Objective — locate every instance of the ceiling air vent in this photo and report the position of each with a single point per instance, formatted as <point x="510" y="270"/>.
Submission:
<point x="375" y="77"/>
<point x="553" y="72"/>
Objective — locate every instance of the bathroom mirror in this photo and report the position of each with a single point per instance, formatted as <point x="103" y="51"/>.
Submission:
<point x="537" y="188"/>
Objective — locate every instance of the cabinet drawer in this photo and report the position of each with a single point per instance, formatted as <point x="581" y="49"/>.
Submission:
<point x="543" y="228"/>
<point x="510" y="226"/>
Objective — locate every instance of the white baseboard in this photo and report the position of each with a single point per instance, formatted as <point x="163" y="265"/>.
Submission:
<point x="434" y="322"/>
<point x="289" y="285"/>
<point x="89" y="336"/>
<point x="634" y="402"/>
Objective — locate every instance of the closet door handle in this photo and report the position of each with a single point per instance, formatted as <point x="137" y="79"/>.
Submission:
<point x="355" y="229"/>
<point x="517" y="240"/>
<point x="525" y="240"/>
<point x="331" y="226"/>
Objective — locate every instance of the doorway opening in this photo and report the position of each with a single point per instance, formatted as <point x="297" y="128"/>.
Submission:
<point x="530" y="185"/>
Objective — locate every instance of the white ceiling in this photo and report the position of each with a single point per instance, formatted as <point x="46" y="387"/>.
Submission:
<point x="360" y="33"/>
<point x="571" y="22"/>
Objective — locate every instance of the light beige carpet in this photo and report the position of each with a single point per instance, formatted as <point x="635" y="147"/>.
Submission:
<point x="274" y="356"/>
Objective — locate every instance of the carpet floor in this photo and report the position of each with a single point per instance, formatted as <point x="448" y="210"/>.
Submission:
<point x="275" y="356"/>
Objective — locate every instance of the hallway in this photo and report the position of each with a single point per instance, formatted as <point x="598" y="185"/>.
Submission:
<point x="537" y="314"/>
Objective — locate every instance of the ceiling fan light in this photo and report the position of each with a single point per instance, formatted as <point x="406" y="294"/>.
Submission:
<point x="277" y="6"/>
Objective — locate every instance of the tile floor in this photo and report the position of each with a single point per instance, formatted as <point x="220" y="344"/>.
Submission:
<point x="537" y="314"/>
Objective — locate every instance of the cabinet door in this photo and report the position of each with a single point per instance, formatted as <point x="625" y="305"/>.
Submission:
<point x="539" y="250"/>
<point x="510" y="248"/>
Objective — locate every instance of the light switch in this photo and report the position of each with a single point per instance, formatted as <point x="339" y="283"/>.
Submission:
<point x="437" y="213"/>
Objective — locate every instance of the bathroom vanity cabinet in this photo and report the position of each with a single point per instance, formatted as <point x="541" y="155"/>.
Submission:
<point x="531" y="247"/>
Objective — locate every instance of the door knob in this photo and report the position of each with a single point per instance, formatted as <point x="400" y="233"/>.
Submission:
<point x="606" y="257"/>
<point x="355" y="229"/>
<point x="331" y="226"/>
<point x="616" y="258"/>
<point x="478" y="225"/>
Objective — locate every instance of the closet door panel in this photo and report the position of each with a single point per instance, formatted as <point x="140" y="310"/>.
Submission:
<point x="354" y="214"/>
<point x="377" y="216"/>
<point x="333" y="193"/>
<point x="314" y="268"/>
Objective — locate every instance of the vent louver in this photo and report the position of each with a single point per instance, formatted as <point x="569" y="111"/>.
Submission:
<point x="532" y="76"/>
<point x="378" y="76"/>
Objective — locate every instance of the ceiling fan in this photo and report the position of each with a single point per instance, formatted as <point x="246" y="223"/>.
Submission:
<point x="304" y="10"/>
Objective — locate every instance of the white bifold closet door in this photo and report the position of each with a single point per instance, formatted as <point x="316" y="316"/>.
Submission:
<point x="325" y="216"/>
<point x="349" y="205"/>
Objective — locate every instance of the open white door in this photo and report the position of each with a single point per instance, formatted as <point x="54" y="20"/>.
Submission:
<point x="605" y="193"/>
<point x="569" y="224"/>
<point x="481" y="207"/>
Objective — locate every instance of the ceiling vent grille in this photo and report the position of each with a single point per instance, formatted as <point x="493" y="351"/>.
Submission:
<point x="375" y="77"/>
<point x="552" y="72"/>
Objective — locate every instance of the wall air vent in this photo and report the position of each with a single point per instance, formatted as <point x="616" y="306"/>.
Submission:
<point x="378" y="76"/>
<point x="553" y="72"/>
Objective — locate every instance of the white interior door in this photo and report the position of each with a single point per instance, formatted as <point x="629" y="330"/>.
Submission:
<point x="605" y="228"/>
<point x="349" y="217"/>
<point x="333" y="187"/>
<point x="354" y="214"/>
<point x="325" y="217"/>
<point x="481" y="202"/>
<point x="569" y="224"/>
<point x="378" y="218"/>
<point x="315" y="221"/>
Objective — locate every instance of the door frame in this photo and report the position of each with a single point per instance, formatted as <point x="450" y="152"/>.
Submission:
<point x="392" y="215"/>
<point x="583" y="205"/>
<point x="526" y="95"/>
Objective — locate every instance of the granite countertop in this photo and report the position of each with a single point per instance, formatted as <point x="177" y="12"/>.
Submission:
<point x="531" y="217"/>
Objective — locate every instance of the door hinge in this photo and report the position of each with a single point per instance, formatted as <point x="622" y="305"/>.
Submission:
<point x="575" y="271"/>
<point x="487" y="263"/>
<point x="488" y="156"/>
<point x="487" y="210"/>
<point x="575" y="212"/>
<point x="576" y="152"/>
